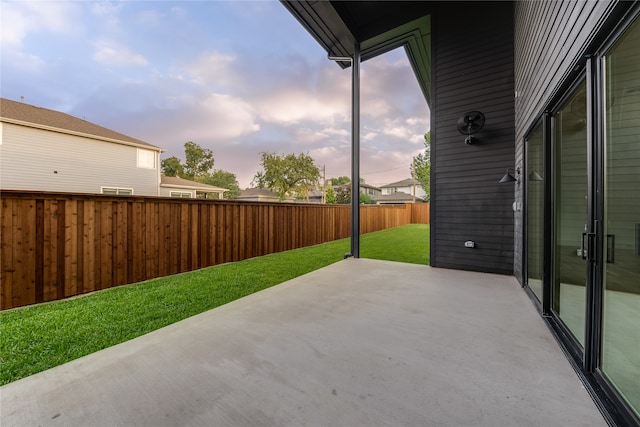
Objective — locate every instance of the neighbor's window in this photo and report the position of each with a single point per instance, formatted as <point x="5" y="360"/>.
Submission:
<point x="181" y="194"/>
<point x="146" y="159"/>
<point x="118" y="191"/>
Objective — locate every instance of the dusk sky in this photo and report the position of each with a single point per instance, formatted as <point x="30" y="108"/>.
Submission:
<point x="237" y="77"/>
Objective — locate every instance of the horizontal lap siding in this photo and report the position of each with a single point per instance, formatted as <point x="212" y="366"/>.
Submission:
<point x="38" y="159"/>
<point x="473" y="70"/>
<point x="551" y="38"/>
<point x="55" y="246"/>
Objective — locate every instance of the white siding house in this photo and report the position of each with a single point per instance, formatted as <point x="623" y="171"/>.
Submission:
<point x="172" y="186"/>
<point x="46" y="150"/>
<point x="407" y="186"/>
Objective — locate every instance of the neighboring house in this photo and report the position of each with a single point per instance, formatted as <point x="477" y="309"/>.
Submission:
<point x="261" y="195"/>
<point x="172" y="186"/>
<point x="396" y="198"/>
<point x="408" y="186"/>
<point x="315" y="196"/>
<point x="46" y="150"/>
<point x="370" y="190"/>
<point x="558" y="83"/>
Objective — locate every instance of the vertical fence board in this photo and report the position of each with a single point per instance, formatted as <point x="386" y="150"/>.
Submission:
<point x="88" y="246"/>
<point x="39" y="251"/>
<point x="120" y="227"/>
<point x="71" y="248"/>
<point x="7" y="257"/>
<point x="50" y="252"/>
<point x="27" y="252"/>
<point x="79" y="236"/>
<point x="195" y="236"/>
<point x="60" y="246"/>
<point x="184" y="237"/>
<point x="106" y="245"/>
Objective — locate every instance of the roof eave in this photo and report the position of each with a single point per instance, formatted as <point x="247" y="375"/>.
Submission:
<point x="327" y="27"/>
<point x="193" y="187"/>
<point x="146" y="146"/>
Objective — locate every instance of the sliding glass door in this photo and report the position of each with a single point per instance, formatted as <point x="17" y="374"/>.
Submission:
<point x="535" y="211"/>
<point x="620" y="351"/>
<point x="582" y="230"/>
<point x="571" y="212"/>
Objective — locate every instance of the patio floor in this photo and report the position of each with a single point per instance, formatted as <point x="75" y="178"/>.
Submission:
<point x="358" y="343"/>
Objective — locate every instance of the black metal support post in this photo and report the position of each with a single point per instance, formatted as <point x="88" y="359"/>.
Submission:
<point x="355" y="152"/>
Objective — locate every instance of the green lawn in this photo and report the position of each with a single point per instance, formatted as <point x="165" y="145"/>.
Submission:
<point x="42" y="336"/>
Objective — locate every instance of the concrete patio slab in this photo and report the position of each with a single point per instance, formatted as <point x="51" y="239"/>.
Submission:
<point x="358" y="343"/>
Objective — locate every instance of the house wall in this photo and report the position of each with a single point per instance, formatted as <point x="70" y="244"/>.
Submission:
<point x="29" y="159"/>
<point x="472" y="70"/>
<point x="420" y="193"/>
<point x="166" y="191"/>
<point x="551" y="40"/>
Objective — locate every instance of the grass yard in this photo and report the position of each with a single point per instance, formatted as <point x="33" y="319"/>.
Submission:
<point x="39" y="337"/>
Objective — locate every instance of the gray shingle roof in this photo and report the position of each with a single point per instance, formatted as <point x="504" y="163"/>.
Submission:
<point x="404" y="183"/>
<point x="43" y="118"/>
<point x="396" y="197"/>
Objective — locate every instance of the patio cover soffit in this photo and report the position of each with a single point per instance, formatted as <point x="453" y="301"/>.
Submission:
<point x="379" y="26"/>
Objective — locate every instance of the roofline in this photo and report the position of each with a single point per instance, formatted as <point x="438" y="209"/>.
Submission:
<point x="81" y="134"/>
<point x="209" y="188"/>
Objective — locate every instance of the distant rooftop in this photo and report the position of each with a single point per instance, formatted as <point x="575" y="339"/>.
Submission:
<point x="29" y="115"/>
<point x="174" y="181"/>
<point x="404" y="183"/>
<point x="397" y="197"/>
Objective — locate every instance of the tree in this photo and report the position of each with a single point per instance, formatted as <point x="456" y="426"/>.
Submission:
<point x="198" y="161"/>
<point x="287" y="174"/>
<point x="330" y="197"/>
<point x="366" y="199"/>
<point x="343" y="194"/>
<point x="341" y="180"/>
<point x="224" y="179"/>
<point x="421" y="167"/>
<point x="171" y="166"/>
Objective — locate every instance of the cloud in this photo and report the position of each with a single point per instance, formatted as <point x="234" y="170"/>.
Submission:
<point x="178" y="11"/>
<point x="213" y="69"/>
<point x="308" y="135"/>
<point x="294" y="106"/>
<point x="369" y="136"/>
<point x="149" y="17"/>
<point x="24" y="62"/>
<point x="107" y="13"/>
<point x="21" y="19"/>
<point x="224" y="117"/>
<point x="112" y="54"/>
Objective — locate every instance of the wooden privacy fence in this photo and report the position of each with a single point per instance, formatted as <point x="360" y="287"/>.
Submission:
<point x="55" y="246"/>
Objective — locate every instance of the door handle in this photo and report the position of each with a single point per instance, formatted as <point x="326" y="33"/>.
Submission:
<point x="611" y="248"/>
<point x="591" y="247"/>
<point x="587" y="250"/>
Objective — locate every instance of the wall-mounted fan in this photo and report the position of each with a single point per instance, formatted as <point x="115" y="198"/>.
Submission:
<point x="470" y="123"/>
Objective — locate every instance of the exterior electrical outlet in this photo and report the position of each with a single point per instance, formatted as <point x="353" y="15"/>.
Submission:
<point x="469" y="244"/>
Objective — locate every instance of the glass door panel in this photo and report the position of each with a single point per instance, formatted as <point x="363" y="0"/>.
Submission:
<point x="571" y="204"/>
<point x="535" y="211"/>
<point x="621" y="310"/>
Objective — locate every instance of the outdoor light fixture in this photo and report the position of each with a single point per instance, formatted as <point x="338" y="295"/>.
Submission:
<point x="470" y="123"/>
<point x="534" y="176"/>
<point x="509" y="177"/>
